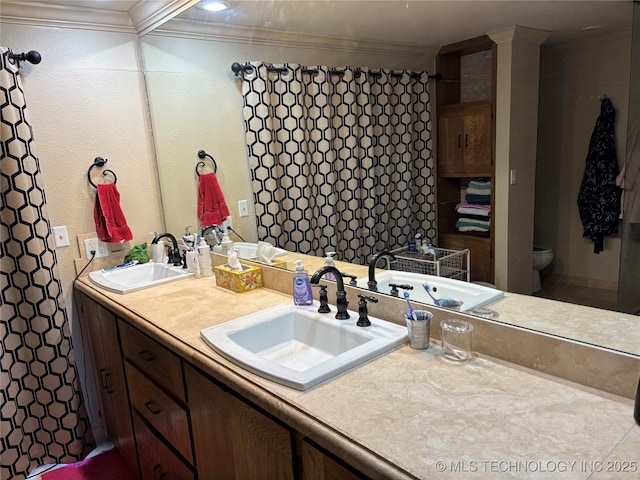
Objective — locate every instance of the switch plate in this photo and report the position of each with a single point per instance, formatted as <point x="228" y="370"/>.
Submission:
<point x="61" y="236"/>
<point x="243" y="208"/>
<point x="512" y="176"/>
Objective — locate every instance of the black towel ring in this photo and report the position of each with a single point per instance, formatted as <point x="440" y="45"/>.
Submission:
<point x="202" y="154"/>
<point x="100" y="162"/>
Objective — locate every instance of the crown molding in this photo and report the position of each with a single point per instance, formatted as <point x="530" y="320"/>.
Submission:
<point x="219" y="32"/>
<point x="147" y="16"/>
<point x="141" y="19"/>
<point x="62" y="16"/>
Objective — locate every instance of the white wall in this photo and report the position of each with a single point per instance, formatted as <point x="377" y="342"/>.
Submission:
<point x="573" y="75"/>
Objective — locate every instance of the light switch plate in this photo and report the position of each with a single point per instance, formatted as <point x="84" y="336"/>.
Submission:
<point x="243" y="208"/>
<point x="61" y="236"/>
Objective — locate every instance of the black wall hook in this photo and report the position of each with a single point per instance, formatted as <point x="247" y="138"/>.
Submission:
<point x="100" y="162"/>
<point x="202" y="154"/>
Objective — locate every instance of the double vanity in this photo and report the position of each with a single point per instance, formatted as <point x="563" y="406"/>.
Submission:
<point x="175" y="404"/>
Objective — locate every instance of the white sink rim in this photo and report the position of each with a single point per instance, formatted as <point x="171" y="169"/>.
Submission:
<point x="473" y="295"/>
<point x="244" y="247"/>
<point x="137" y="277"/>
<point x="383" y="337"/>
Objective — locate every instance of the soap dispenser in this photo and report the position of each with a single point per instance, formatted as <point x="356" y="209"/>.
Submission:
<point x="226" y="243"/>
<point x="328" y="262"/>
<point x="302" y="294"/>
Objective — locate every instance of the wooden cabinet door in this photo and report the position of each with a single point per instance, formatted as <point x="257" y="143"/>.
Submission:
<point x="231" y="439"/>
<point x="481" y="260"/>
<point x="157" y="461"/>
<point x="477" y="138"/>
<point x="450" y="140"/>
<point x="102" y="330"/>
<point x="315" y="464"/>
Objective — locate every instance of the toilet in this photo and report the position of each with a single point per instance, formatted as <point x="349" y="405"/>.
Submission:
<point x="542" y="257"/>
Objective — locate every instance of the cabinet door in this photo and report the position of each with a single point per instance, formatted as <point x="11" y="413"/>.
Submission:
<point x="107" y="356"/>
<point x="315" y="464"/>
<point x="157" y="462"/>
<point x="481" y="261"/>
<point x="477" y="138"/>
<point x="450" y="140"/>
<point x="231" y="439"/>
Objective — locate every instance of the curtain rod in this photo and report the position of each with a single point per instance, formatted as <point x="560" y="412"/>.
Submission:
<point x="31" y="56"/>
<point x="239" y="70"/>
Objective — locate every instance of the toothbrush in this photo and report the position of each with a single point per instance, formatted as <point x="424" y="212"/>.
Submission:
<point x="428" y="290"/>
<point x="406" y="296"/>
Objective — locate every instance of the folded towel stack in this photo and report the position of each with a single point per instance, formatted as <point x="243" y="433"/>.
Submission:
<point x="475" y="212"/>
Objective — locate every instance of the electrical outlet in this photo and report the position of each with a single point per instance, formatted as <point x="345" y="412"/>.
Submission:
<point x="93" y="244"/>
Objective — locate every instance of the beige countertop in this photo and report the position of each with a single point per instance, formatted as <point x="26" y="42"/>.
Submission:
<point x="411" y="411"/>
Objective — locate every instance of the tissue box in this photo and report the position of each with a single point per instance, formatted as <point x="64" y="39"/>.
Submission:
<point x="279" y="264"/>
<point x="249" y="278"/>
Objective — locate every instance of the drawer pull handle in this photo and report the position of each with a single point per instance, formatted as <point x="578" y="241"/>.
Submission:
<point x="103" y="380"/>
<point x="158" y="474"/>
<point x="153" y="407"/>
<point x="107" y="379"/>
<point x="466" y="140"/>
<point x="146" y="356"/>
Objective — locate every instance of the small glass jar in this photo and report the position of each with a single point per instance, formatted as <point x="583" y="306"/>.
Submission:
<point x="456" y="340"/>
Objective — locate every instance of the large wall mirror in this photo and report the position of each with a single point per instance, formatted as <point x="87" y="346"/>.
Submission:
<point x="195" y="99"/>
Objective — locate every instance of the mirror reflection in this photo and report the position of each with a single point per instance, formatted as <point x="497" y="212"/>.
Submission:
<point x="196" y="103"/>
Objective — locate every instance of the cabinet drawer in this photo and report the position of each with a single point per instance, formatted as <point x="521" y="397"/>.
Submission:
<point x="166" y="416"/>
<point x="157" y="363"/>
<point x="157" y="462"/>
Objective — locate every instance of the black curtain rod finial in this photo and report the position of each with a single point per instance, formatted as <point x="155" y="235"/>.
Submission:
<point x="31" y="56"/>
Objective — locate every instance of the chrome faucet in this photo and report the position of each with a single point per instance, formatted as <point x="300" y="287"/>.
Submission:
<point x="389" y="257"/>
<point x="341" y="295"/>
<point x="173" y="253"/>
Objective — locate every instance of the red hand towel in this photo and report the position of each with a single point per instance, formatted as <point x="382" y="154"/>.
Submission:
<point x="111" y="225"/>
<point x="212" y="209"/>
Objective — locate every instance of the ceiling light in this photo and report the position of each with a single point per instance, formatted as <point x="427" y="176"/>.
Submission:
<point x="213" y="5"/>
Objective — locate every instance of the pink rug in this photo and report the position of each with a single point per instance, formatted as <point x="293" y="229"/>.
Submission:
<point x="108" y="465"/>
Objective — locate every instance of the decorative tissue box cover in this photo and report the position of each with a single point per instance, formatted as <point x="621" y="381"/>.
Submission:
<point x="249" y="278"/>
<point x="279" y="264"/>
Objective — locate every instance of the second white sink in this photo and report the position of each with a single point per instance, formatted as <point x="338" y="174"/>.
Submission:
<point x="299" y="347"/>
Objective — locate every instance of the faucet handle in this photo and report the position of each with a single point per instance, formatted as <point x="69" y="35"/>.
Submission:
<point x="324" y="299"/>
<point x="353" y="278"/>
<point x="395" y="286"/>
<point x="363" y="314"/>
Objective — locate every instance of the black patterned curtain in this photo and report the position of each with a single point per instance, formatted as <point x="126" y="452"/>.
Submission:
<point x="340" y="158"/>
<point x="43" y="416"/>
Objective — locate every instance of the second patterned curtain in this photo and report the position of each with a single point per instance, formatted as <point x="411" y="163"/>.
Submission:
<point x="340" y="158"/>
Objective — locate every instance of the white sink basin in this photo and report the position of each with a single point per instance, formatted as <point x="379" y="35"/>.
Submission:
<point x="248" y="251"/>
<point x="471" y="294"/>
<point x="299" y="347"/>
<point x="137" y="277"/>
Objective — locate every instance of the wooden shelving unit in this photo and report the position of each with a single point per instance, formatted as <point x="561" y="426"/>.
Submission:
<point x="466" y="147"/>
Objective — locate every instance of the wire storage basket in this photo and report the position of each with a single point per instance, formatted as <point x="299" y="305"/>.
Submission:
<point x="453" y="264"/>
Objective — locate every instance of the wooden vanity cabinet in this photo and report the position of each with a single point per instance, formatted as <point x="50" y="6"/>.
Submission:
<point x="171" y="421"/>
<point x="104" y="345"/>
<point x="158" y="402"/>
<point x="231" y="438"/>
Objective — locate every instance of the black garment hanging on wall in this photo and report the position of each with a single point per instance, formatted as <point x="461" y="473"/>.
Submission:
<point x="599" y="196"/>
